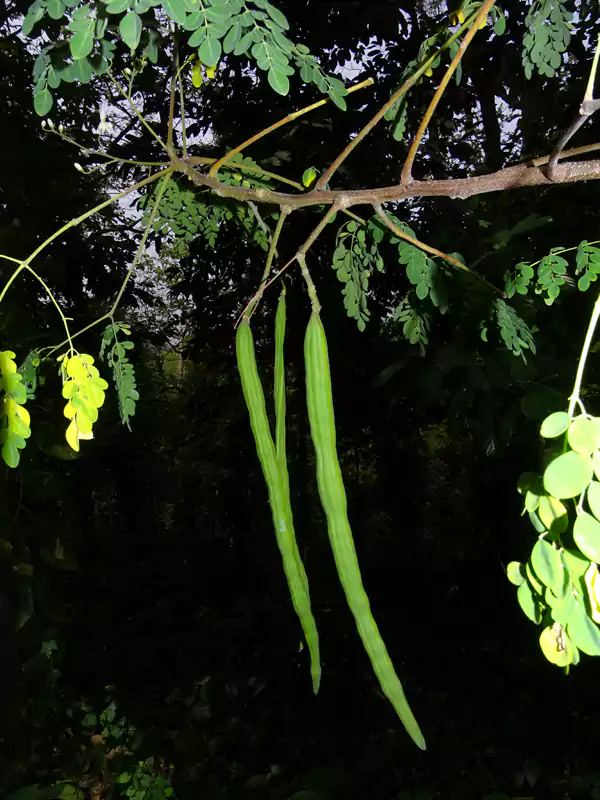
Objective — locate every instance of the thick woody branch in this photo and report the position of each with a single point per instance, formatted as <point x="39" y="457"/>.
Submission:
<point x="516" y="177"/>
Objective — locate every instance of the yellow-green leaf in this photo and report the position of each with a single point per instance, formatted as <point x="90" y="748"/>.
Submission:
<point x="72" y="436"/>
<point x="584" y="435"/>
<point x="586" y="535"/>
<point x="568" y="475"/>
<point x="556" y="645"/>
<point x="308" y="177"/>
<point x="553" y="514"/>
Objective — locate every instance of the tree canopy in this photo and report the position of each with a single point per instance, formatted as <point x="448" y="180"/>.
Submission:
<point x="368" y="229"/>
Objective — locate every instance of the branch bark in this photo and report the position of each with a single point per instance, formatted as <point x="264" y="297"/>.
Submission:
<point x="531" y="173"/>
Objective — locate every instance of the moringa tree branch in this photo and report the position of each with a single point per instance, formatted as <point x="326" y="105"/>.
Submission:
<point x="531" y="173"/>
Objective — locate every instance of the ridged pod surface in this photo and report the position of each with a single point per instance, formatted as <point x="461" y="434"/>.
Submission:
<point x="333" y="499"/>
<point x="278" y="494"/>
<point x="279" y="392"/>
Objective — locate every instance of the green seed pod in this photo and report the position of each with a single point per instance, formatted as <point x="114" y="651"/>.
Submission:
<point x="333" y="499"/>
<point x="278" y="494"/>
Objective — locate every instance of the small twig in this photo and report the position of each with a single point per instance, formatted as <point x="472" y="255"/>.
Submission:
<point x="301" y="252"/>
<point x="406" y="176"/>
<point x="182" y="108"/>
<point x="262" y="224"/>
<point x="77" y="221"/>
<point x="172" y="96"/>
<point x="247" y="168"/>
<point x="290" y="118"/>
<point x="312" y="291"/>
<point x="139" y="252"/>
<point x="574" y="151"/>
<point x="408" y="83"/>
<point x="574" y="399"/>
<point x="397" y="231"/>
<point x="137" y="112"/>
<point x="253" y="304"/>
<point x="587" y="108"/>
<point x="331" y="212"/>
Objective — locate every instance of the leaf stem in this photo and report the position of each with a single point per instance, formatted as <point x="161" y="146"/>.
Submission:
<point x="137" y="112"/>
<point x="253" y="305"/>
<point x="56" y="305"/>
<point x="77" y="221"/>
<point x="290" y="118"/>
<point x="138" y="255"/>
<point x="574" y="399"/>
<point x="433" y="250"/>
<point x="483" y="11"/>
<point x="408" y="83"/>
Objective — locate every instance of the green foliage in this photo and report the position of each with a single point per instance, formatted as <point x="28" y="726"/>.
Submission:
<point x="551" y="276"/>
<point x="416" y="324"/>
<point x="87" y="43"/>
<point x="355" y="257"/>
<point x="397" y="114"/>
<point x="142" y="783"/>
<point x="28" y="371"/>
<point x="182" y="214"/>
<point x="114" y="352"/>
<point x="514" y="331"/>
<point x="422" y="271"/>
<point x="559" y="587"/>
<point x="587" y="265"/>
<point x="548" y="35"/>
<point x="552" y="272"/>
<point x="15" y="418"/>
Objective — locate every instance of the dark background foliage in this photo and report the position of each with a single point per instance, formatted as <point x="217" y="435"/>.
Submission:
<point x="145" y="572"/>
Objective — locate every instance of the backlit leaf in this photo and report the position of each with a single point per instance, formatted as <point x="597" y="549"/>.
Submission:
<point x="279" y="81"/>
<point x="584" y="632"/>
<point x="568" y="475"/>
<point x="130" y="28"/>
<point x="556" y="645"/>
<point x="584" y="435"/>
<point x="593" y="498"/>
<point x="547" y="564"/>
<point x="555" y="424"/>
<point x="82" y="43"/>
<point x="586" y="534"/>
<point x="552" y="513"/>
<point x="529" y="604"/>
<point x="42" y="102"/>
<point x="515" y="573"/>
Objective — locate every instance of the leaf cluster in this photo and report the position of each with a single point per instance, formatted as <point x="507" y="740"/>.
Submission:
<point x="83" y="389"/>
<point x="114" y="352"/>
<point x="559" y="586"/>
<point x="15" y="418"/>
<point x="86" y="45"/>
<point x="548" y="35"/>
<point x="355" y="258"/>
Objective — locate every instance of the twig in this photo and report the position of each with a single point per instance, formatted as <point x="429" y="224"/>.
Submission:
<point x="587" y="108"/>
<point x="301" y="252"/>
<point x="172" y="95"/>
<point x="137" y="112"/>
<point x="290" y="118"/>
<point x="433" y="250"/>
<point x="139" y="252"/>
<point x="481" y="14"/>
<point x="253" y="304"/>
<point x="408" y="83"/>
<point x="574" y="399"/>
<point x="77" y="221"/>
